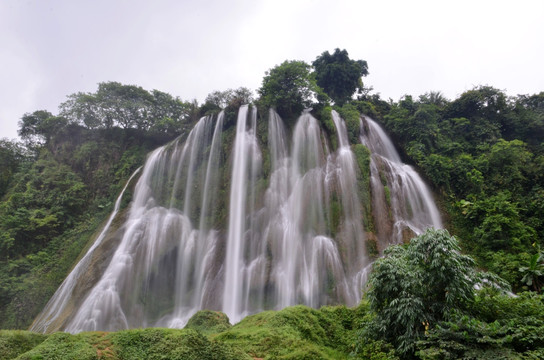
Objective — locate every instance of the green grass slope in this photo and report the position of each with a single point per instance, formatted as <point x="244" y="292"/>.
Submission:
<point x="296" y="332"/>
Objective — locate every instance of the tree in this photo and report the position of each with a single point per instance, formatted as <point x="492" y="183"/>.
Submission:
<point x="83" y="109"/>
<point x="486" y="108"/>
<point x="47" y="199"/>
<point x="128" y="106"/>
<point x="38" y="127"/>
<point x="414" y="286"/>
<point x="498" y="326"/>
<point x="338" y="75"/>
<point x="12" y="155"/>
<point x="496" y="222"/>
<point x="289" y="88"/>
<point x="222" y="99"/>
<point x="433" y="98"/>
<point x="168" y="114"/>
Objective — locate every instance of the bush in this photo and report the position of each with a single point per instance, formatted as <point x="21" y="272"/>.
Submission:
<point x="415" y="286"/>
<point x="16" y="342"/>
<point x="209" y="322"/>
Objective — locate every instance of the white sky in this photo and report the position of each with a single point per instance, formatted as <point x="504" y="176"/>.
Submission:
<point x="53" y="48"/>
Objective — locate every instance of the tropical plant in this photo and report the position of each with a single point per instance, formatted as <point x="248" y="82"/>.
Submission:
<point x="417" y="285"/>
<point x="533" y="272"/>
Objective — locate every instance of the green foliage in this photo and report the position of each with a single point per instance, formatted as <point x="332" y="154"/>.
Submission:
<point x="123" y="345"/>
<point x="335" y="215"/>
<point x="38" y="127"/>
<point x="507" y="265"/>
<point x="478" y="153"/>
<point x="289" y="88"/>
<point x="53" y="205"/>
<point x="534" y="272"/>
<point x="12" y="157"/>
<point x="352" y="119"/>
<point x="499" y="326"/>
<point x="297" y="332"/>
<point x="62" y="346"/>
<point x="496" y="223"/>
<point x="417" y="285"/>
<point x="148" y="344"/>
<point x="362" y="156"/>
<point x="129" y="106"/>
<point x="376" y="350"/>
<point x="366" y="108"/>
<point x="48" y="198"/>
<point x="338" y="75"/>
<point x="437" y="167"/>
<point x="328" y="124"/>
<point x="16" y="342"/>
<point x="209" y="322"/>
<point x="230" y="97"/>
<point x="293" y="333"/>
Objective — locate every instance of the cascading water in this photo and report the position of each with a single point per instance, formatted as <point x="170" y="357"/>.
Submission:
<point x="306" y="265"/>
<point x="293" y="232"/>
<point x="57" y="306"/>
<point x="246" y="164"/>
<point x="402" y="203"/>
<point x="159" y="263"/>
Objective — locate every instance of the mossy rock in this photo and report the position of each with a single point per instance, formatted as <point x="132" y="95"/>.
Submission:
<point x="362" y="156"/>
<point x="352" y="119"/>
<point x="209" y="322"/>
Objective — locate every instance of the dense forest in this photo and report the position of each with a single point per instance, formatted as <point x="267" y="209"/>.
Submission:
<point x="477" y="294"/>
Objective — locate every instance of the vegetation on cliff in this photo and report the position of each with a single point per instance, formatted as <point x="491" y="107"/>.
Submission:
<point x="483" y="153"/>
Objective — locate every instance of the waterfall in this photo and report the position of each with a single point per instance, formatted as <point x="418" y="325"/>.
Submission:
<point x="161" y="257"/>
<point x="245" y="167"/>
<point x="57" y="306"/>
<point x="402" y="202"/>
<point x="296" y="203"/>
<point x="240" y="220"/>
<point x="352" y="230"/>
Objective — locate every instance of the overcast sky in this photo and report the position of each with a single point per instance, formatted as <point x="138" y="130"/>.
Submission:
<point x="53" y="48"/>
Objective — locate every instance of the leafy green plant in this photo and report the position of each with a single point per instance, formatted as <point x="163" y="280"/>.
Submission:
<point x="415" y="286"/>
<point x="62" y="346"/>
<point x="338" y="75"/>
<point x="16" y="342"/>
<point x="534" y="271"/>
<point x="497" y="326"/>
<point x="289" y="88"/>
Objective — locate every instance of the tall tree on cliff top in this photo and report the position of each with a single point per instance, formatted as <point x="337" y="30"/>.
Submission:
<point x="338" y="75"/>
<point x="289" y="88"/>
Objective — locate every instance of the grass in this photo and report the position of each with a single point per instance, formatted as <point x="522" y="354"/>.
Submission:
<point x="296" y="332"/>
<point x="16" y="342"/>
